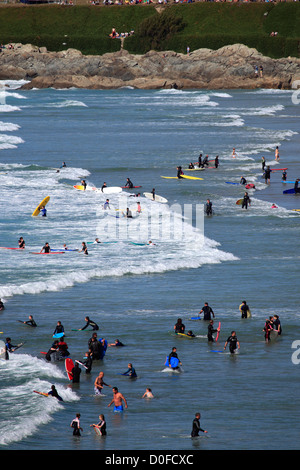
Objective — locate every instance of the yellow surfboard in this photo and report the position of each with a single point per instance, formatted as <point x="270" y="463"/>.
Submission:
<point x="38" y="209"/>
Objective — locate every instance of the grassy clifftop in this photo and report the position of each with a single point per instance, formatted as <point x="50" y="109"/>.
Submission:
<point x="196" y="25"/>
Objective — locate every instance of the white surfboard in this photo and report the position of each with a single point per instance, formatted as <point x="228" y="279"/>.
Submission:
<point x="156" y="198"/>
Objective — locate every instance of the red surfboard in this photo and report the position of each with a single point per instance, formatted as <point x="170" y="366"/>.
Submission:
<point x="69" y="364"/>
<point x="219" y="327"/>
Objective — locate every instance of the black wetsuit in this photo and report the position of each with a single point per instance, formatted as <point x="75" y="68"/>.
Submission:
<point x="196" y="428"/>
<point x="92" y="324"/>
<point x="232" y="340"/>
<point x="88" y="363"/>
<point x="210" y="332"/>
<point x="76" y="371"/>
<point x="244" y="310"/>
<point x="207" y="311"/>
<point x="179" y="328"/>
<point x="31" y="323"/>
<point x="246" y="201"/>
<point x="173" y="354"/>
<point x="208" y="208"/>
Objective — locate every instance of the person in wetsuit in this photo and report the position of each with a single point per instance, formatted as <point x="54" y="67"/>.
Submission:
<point x="210" y="331"/>
<point x="76" y="371"/>
<point x="131" y="371"/>
<point x="54" y="393"/>
<point x="46" y="248"/>
<point x="196" y="426"/>
<point x="208" y="207"/>
<point x="174" y="354"/>
<point x="233" y="342"/>
<point x="217" y="161"/>
<point x="296" y="186"/>
<point x="207" y="312"/>
<point x="179" y="327"/>
<point x="88" y="362"/>
<point x="244" y="309"/>
<point x="179" y="172"/>
<point x="129" y="183"/>
<point x="21" y="243"/>
<point x="89" y="323"/>
<point x="30" y="322"/>
<point x="246" y="201"/>
<point x="59" y="328"/>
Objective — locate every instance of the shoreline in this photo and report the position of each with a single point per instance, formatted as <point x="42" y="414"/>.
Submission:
<point x="230" y="67"/>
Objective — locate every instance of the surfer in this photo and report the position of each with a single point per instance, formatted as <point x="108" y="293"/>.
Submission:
<point x="99" y="383"/>
<point x="208" y="207"/>
<point x="179" y="172"/>
<point x="207" y="312"/>
<point x="89" y="323"/>
<point x="267" y="330"/>
<point x="63" y="165"/>
<point x="233" y="153"/>
<point x="200" y="161"/>
<point x="131" y="371"/>
<point x="54" y="393"/>
<point x="246" y="201"/>
<point x="267" y="175"/>
<point x="75" y="424"/>
<point x="233" y="342"/>
<point x="83" y="183"/>
<point x="1" y="305"/>
<point x="205" y="161"/>
<point x="196" y="426"/>
<point x="277" y="154"/>
<point x="76" y="371"/>
<point x="174" y="354"/>
<point x="118" y="400"/>
<point x="103" y="186"/>
<point x="101" y="425"/>
<point x="117" y="343"/>
<point x="63" y="348"/>
<point x="284" y="175"/>
<point x="191" y="166"/>
<point x="277" y="324"/>
<point x="8" y="347"/>
<point x="84" y="249"/>
<point x="88" y="361"/>
<point x="211" y="330"/>
<point x="296" y="188"/>
<point x="46" y="248"/>
<point x="179" y="327"/>
<point x="139" y="209"/>
<point x="21" y="243"/>
<point x="96" y="348"/>
<point x="244" y="309"/>
<point x="43" y="211"/>
<point x="263" y="163"/>
<point x="59" y="328"/>
<point x="30" y="322"/>
<point x="52" y="350"/>
<point x="153" y="194"/>
<point x="243" y="180"/>
<point x="274" y="206"/>
<point x="129" y="183"/>
<point x="217" y="161"/>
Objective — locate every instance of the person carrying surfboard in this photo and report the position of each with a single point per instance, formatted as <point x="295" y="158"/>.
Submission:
<point x="43" y="211"/>
<point x="244" y="309"/>
<point x="211" y="330"/>
<point x="246" y="201"/>
<point x="174" y="354"/>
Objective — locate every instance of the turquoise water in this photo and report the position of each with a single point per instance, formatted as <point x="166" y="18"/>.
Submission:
<point x="136" y="293"/>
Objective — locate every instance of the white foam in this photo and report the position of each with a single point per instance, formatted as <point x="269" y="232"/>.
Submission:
<point x="66" y="104"/>
<point x="8" y="127"/>
<point x="6" y="108"/>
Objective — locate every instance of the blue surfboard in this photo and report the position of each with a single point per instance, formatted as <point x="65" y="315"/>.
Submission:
<point x="58" y="335"/>
<point x="289" y="191"/>
<point x="174" y="362"/>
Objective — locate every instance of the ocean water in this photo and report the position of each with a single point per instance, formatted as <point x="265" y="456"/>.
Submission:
<point x="136" y="292"/>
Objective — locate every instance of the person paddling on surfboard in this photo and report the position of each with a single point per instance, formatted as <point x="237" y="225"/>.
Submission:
<point x="54" y="393"/>
<point x="89" y="323"/>
<point x="129" y="183"/>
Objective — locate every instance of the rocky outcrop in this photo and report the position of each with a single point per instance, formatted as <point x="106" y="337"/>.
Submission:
<point x="227" y="68"/>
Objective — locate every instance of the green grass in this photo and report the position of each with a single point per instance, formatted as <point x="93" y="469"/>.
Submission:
<point x="206" y="24"/>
